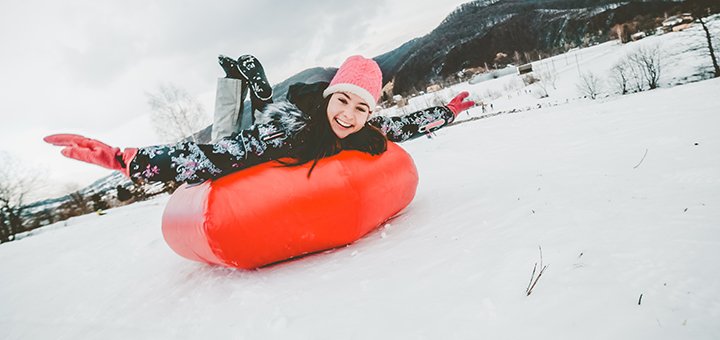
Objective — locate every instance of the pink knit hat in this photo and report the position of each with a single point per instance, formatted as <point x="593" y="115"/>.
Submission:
<point x="359" y="76"/>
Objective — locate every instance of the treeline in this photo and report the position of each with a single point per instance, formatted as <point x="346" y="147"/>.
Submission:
<point x="17" y="218"/>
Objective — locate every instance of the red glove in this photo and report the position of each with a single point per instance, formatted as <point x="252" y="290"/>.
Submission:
<point x="457" y="104"/>
<point x="93" y="151"/>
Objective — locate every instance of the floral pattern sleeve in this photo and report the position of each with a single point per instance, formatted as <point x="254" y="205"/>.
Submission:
<point x="413" y="125"/>
<point x="194" y="163"/>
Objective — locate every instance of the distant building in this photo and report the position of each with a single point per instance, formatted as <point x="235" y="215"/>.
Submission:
<point x="399" y="100"/>
<point x="672" y="21"/>
<point x="432" y="88"/>
<point x="527" y="68"/>
<point x="494" y="74"/>
<point x="677" y="23"/>
<point x="681" y="27"/>
<point x="637" y="36"/>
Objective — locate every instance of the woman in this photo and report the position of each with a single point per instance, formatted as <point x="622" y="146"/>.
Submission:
<point x="317" y="120"/>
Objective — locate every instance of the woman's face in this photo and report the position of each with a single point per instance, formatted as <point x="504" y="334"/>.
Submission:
<point x="347" y="113"/>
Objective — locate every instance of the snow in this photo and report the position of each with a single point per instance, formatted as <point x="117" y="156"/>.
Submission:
<point x="622" y="194"/>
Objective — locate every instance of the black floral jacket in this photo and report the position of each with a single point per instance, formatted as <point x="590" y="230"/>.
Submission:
<point x="270" y="138"/>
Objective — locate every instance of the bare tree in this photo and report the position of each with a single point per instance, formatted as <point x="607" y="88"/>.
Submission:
<point x="649" y="62"/>
<point x="635" y="75"/>
<point x="517" y="58"/>
<point x="543" y="86"/>
<point x="176" y="114"/>
<point x="16" y="183"/>
<point x="547" y="78"/>
<point x="619" y="76"/>
<point x="716" y="68"/>
<point x="77" y="204"/>
<point x="590" y="85"/>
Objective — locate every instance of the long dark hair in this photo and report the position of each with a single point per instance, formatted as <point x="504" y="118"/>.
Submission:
<point x="317" y="140"/>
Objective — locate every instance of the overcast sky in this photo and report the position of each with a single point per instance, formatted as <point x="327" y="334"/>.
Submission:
<point x="86" y="66"/>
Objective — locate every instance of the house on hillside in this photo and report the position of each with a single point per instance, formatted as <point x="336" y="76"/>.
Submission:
<point x="398" y="100"/>
<point x="676" y="23"/>
<point x="494" y="74"/>
<point x="527" y="68"/>
<point x="637" y="36"/>
<point x="672" y="21"/>
<point x="433" y="88"/>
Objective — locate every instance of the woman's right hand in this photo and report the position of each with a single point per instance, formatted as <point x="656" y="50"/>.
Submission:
<point x="93" y="151"/>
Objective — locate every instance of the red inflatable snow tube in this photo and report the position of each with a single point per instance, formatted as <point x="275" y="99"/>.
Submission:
<point x="270" y="213"/>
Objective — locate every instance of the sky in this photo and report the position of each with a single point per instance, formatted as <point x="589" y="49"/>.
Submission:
<point x="86" y="67"/>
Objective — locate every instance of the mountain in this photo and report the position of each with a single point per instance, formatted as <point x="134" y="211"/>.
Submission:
<point x="474" y="33"/>
<point x="391" y="61"/>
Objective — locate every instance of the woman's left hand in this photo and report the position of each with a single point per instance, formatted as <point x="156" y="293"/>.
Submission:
<point x="457" y="104"/>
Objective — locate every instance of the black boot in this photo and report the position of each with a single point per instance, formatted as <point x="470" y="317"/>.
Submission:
<point x="252" y="70"/>
<point x="230" y="66"/>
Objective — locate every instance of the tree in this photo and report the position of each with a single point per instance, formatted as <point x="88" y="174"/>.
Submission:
<point x="517" y="58"/>
<point x="545" y="79"/>
<point x="548" y="77"/>
<point x="635" y="75"/>
<point x="716" y="72"/>
<point x="619" y="76"/>
<point x="78" y="204"/>
<point x="176" y="114"/>
<point x="622" y="32"/>
<point x="98" y="202"/>
<point x="649" y="62"/>
<point x="16" y="183"/>
<point x="590" y="85"/>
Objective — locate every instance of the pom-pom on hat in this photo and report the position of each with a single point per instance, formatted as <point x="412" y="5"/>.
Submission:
<point x="360" y="76"/>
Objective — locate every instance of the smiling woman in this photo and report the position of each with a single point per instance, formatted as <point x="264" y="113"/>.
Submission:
<point x="317" y="120"/>
<point x="268" y="213"/>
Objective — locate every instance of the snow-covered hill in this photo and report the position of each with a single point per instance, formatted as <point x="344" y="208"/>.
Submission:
<point x="622" y="194"/>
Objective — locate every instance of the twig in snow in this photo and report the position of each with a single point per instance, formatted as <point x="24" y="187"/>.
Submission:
<point x="533" y="278"/>
<point x="640" y="300"/>
<point x="643" y="158"/>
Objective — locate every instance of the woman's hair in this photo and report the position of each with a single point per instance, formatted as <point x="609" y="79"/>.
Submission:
<point x="317" y="140"/>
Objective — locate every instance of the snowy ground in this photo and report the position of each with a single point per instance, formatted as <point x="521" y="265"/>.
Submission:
<point x="622" y="194"/>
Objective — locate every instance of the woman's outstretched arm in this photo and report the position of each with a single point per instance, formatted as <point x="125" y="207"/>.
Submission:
<point x="419" y="123"/>
<point x="184" y="161"/>
<point x="192" y="163"/>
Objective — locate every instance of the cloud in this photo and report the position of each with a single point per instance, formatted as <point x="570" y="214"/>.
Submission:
<point x="109" y="41"/>
<point x="84" y="66"/>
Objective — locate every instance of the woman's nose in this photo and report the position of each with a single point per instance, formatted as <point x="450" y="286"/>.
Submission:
<point x="347" y="116"/>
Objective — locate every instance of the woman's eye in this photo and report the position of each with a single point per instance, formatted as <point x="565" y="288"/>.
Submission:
<point x="361" y="109"/>
<point x="342" y="100"/>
